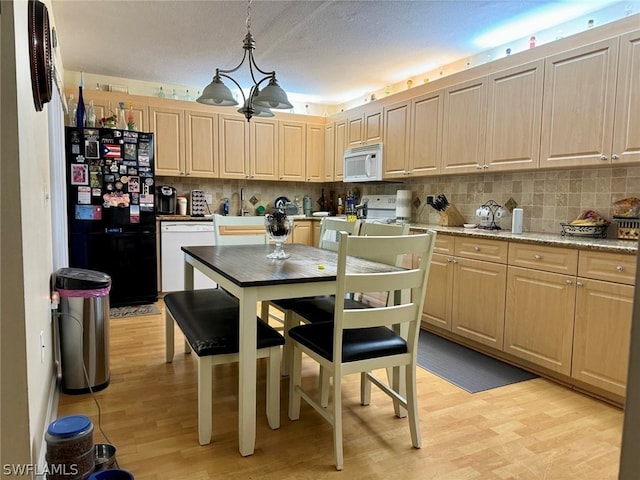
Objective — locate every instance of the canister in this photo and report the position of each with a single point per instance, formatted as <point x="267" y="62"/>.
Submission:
<point x="70" y="447"/>
<point x="307" y="205"/>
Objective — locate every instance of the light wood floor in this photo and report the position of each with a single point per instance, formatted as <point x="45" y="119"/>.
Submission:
<point x="530" y="430"/>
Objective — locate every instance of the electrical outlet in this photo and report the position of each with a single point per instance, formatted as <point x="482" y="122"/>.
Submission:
<point x="208" y="198"/>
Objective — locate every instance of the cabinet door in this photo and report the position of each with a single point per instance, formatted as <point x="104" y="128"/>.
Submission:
<point x="538" y="323"/>
<point x="425" y="139"/>
<point x="626" y="135"/>
<point x="464" y="126"/>
<point x="341" y="132"/>
<point x="438" y="298"/>
<point x="201" y="131"/>
<point x="293" y="151"/>
<point x="514" y="117"/>
<point x="302" y="232"/>
<point x="578" y="106"/>
<point x="140" y="115"/>
<point x="478" y="301"/>
<point x="396" y="140"/>
<point x="263" y="149"/>
<point x="329" y="151"/>
<point x="355" y="132"/>
<point x="234" y="146"/>
<point x="316" y="234"/>
<point x="315" y="153"/>
<point x="602" y="334"/>
<point x="372" y="123"/>
<point x="167" y="124"/>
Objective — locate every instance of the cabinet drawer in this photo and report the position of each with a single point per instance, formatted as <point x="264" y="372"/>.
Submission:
<point x="549" y="259"/>
<point x="444" y="244"/>
<point x="481" y="249"/>
<point x="611" y="267"/>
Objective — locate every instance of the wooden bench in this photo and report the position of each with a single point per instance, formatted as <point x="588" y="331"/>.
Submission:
<point x="209" y="321"/>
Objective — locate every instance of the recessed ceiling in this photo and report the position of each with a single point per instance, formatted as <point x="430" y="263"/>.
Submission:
<point x="326" y="51"/>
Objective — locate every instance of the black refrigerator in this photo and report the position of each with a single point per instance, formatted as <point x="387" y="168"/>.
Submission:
<point x="111" y="210"/>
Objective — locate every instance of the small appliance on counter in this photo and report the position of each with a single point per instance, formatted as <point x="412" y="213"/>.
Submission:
<point x="166" y="198"/>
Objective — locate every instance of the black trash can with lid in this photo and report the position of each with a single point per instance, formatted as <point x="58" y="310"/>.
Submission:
<point x="83" y="322"/>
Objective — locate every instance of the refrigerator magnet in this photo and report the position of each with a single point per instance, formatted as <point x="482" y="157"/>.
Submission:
<point x="134" y="214"/>
<point x="79" y="175"/>
<point x="84" y="195"/>
<point x="134" y="184"/>
<point x="130" y="151"/>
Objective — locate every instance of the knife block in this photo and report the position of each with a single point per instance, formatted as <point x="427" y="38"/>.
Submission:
<point x="451" y="217"/>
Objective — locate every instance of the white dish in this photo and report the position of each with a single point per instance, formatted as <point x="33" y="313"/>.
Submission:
<point x="470" y="225"/>
<point x="320" y="214"/>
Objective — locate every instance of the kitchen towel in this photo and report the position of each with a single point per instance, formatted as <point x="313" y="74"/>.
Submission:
<point x="403" y="206"/>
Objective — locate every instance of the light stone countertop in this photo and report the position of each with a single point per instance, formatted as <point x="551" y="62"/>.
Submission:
<point x="612" y="245"/>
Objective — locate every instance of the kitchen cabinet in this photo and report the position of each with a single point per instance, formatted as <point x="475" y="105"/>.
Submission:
<point x="514" y="118"/>
<point x="626" y="134"/>
<point x="106" y="104"/>
<point x="578" y="106"/>
<point x="167" y="124"/>
<point x="602" y="332"/>
<point x="364" y="127"/>
<point x="340" y="143"/>
<point x="263" y="149"/>
<point x="315" y="155"/>
<point x="466" y="291"/>
<point x="184" y="141"/>
<point x="463" y="132"/>
<point x="329" y="151"/>
<point x="413" y="136"/>
<point x="292" y="150"/>
<point x="201" y="152"/>
<point x="233" y="146"/>
<point x="541" y="288"/>
<point x="315" y="226"/>
<point x="303" y="232"/>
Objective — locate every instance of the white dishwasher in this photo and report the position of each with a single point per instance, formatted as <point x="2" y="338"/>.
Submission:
<point x="173" y="236"/>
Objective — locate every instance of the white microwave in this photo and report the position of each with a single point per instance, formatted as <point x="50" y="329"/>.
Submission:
<point x="363" y="164"/>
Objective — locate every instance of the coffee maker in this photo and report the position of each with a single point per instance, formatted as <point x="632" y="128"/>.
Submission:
<point x="166" y="200"/>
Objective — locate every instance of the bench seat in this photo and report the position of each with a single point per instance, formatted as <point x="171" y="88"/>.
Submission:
<point x="209" y="320"/>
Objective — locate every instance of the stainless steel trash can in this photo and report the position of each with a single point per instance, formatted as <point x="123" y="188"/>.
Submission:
<point x="83" y="323"/>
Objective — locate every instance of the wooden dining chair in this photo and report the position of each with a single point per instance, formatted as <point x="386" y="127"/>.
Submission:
<point x="361" y="340"/>
<point x="329" y="228"/>
<point x="231" y="230"/>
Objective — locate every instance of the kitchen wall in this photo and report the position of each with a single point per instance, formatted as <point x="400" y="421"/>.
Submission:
<point x="548" y="197"/>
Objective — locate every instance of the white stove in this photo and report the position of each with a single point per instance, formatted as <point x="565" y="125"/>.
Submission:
<point x="380" y="208"/>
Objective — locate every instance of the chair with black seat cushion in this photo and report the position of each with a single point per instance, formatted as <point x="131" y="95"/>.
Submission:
<point x="209" y="320"/>
<point x="329" y="228"/>
<point x="364" y="340"/>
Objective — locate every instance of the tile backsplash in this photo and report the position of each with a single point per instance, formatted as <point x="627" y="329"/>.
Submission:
<point x="548" y="197"/>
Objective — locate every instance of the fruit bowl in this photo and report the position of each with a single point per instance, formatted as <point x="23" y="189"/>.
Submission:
<point x="595" y="231"/>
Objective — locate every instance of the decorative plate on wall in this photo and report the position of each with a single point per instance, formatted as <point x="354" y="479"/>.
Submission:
<point x="40" y="53"/>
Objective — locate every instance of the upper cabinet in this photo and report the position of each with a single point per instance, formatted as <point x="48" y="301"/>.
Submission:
<point x="578" y="106"/>
<point x="364" y="128"/>
<point x="514" y="116"/>
<point x="292" y="150"/>
<point x="329" y="151"/>
<point x="167" y="124"/>
<point x="201" y="135"/>
<point x="315" y="161"/>
<point x="340" y="145"/>
<point x="395" y="154"/>
<point x="234" y="146"/>
<point x="626" y="133"/>
<point x="263" y="149"/>
<point x="463" y="131"/>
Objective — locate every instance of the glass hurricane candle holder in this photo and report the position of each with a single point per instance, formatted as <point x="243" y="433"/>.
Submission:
<point x="278" y="227"/>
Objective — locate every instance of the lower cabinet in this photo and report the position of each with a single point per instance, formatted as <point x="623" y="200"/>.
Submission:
<point x="303" y="232"/>
<point x="565" y="310"/>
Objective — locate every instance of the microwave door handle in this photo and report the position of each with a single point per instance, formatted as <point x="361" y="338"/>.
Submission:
<point x="367" y="165"/>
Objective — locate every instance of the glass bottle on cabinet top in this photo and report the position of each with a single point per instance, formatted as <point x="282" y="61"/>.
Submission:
<point x="72" y="107"/>
<point x="131" y="121"/>
<point x="91" y="115"/>
<point x="122" y="122"/>
<point x="80" y="110"/>
<point x="161" y="93"/>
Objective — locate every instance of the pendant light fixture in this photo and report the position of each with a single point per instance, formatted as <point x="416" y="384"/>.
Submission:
<point x="260" y="99"/>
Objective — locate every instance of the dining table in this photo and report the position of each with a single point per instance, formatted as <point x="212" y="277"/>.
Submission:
<point x="247" y="273"/>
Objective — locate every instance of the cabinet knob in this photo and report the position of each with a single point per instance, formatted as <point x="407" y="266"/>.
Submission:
<point x="604" y="158"/>
<point x="579" y="284"/>
<point x="615" y="157"/>
<point x="569" y="282"/>
<point x="619" y="268"/>
<point x="477" y="249"/>
<point x="485" y="166"/>
<point x="537" y="257"/>
<point x="479" y="167"/>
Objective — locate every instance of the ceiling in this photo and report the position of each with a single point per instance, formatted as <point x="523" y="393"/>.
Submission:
<point x="323" y="51"/>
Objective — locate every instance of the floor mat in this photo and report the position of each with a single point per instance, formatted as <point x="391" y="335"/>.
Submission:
<point x="470" y="370"/>
<point x="134" y="311"/>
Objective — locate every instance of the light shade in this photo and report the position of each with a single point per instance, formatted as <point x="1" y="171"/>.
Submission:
<point x="272" y="96"/>
<point x="258" y="111"/>
<point x="217" y="93"/>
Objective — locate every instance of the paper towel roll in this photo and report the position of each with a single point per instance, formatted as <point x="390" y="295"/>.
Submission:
<point x="516" y="221"/>
<point x="403" y="206"/>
